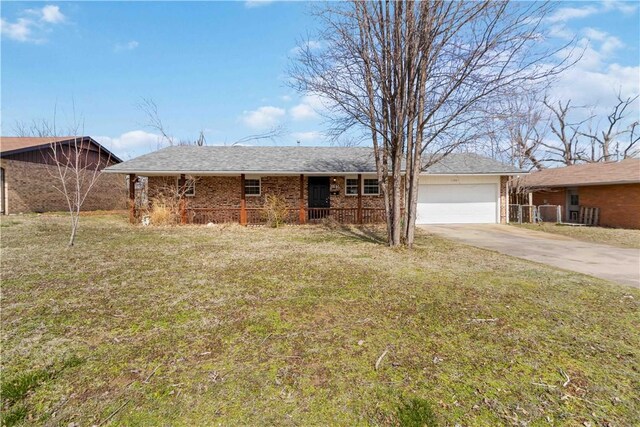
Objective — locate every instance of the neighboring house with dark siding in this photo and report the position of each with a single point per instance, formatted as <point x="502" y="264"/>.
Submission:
<point x="612" y="187"/>
<point x="28" y="175"/>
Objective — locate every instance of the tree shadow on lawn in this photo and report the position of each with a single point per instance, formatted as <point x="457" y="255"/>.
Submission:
<point x="362" y="233"/>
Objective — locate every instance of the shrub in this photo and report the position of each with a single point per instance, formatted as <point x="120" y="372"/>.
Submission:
<point x="164" y="206"/>
<point x="161" y="214"/>
<point x="416" y="413"/>
<point x="276" y="210"/>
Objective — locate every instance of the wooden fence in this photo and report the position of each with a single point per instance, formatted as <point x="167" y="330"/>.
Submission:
<point x="258" y="216"/>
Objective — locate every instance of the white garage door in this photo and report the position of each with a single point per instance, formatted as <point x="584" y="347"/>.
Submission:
<point x="457" y="204"/>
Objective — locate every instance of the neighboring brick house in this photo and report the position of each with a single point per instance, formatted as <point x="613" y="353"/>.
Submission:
<point x="28" y="175"/>
<point x="230" y="184"/>
<point x="612" y="187"/>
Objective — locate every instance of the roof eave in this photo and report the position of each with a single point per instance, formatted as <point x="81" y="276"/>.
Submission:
<point x="284" y="173"/>
<point x="581" y="184"/>
<point x="61" y="142"/>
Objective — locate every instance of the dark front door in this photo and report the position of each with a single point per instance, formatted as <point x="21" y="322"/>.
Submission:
<point x="318" y="197"/>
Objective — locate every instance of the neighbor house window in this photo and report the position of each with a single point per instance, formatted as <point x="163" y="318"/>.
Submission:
<point x="351" y="186"/>
<point x="370" y="187"/>
<point x="252" y="187"/>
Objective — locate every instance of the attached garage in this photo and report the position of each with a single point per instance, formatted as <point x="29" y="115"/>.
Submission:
<point x="459" y="200"/>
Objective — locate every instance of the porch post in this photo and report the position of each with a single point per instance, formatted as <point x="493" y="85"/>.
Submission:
<point x="359" y="198"/>
<point x="302" y="218"/>
<point x="132" y="198"/>
<point x="243" y="202"/>
<point x="183" y="203"/>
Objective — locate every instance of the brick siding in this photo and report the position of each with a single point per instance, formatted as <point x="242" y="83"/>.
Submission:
<point x="504" y="198"/>
<point x="550" y="197"/>
<point x="29" y="188"/>
<point x="224" y="191"/>
<point x="619" y="204"/>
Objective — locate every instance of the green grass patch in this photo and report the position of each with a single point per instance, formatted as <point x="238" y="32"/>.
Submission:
<point x="416" y="413"/>
<point x="14" y="390"/>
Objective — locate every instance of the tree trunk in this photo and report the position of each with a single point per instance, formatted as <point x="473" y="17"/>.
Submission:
<point x="74" y="228"/>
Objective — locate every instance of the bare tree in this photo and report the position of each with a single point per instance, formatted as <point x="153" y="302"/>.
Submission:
<point x="631" y="148"/>
<point x="154" y="121"/>
<point x="568" y="148"/>
<point x="272" y="134"/>
<point x="75" y="165"/>
<point x="37" y="128"/>
<point x="607" y="140"/>
<point x="77" y="169"/>
<point x="518" y="131"/>
<point x="421" y="77"/>
<point x="150" y="109"/>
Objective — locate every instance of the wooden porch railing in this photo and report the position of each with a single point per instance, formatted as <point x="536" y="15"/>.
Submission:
<point x="257" y="216"/>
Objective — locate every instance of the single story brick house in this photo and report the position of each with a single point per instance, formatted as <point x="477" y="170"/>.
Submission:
<point x="612" y="187"/>
<point x="27" y="175"/>
<point x="230" y="183"/>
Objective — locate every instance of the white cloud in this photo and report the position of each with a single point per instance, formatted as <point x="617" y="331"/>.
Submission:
<point x="37" y="20"/>
<point x="263" y="118"/>
<point x="598" y="88"/>
<point x="595" y="34"/>
<point x="626" y="7"/>
<point x="595" y="79"/>
<point x="565" y="14"/>
<point x="52" y="14"/>
<point x="131" y="143"/>
<point x="309" y="44"/>
<point x="250" y="4"/>
<point x="560" y="31"/>
<point x="307" y="109"/>
<point x="126" y="46"/>
<point x="303" y="111"/>
<point x="19" y="31"/>
<point x="310" y="136"/>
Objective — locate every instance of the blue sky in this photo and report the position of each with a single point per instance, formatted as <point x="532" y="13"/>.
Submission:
<point x="221" y="66"/>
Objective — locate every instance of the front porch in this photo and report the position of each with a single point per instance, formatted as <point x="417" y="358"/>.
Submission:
<point x="346" y="199"/>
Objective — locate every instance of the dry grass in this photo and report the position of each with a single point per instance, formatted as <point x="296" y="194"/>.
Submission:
<point x="261" y="326"/>
<point x="161" y="214"/>
<point x="619" y="237"/>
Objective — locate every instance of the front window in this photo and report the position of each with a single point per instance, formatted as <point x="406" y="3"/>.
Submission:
<point x="370" y="187"/>
<point x="252" y="187"/>
<point x="190" y="188"/>
<point x="351" y="186"/>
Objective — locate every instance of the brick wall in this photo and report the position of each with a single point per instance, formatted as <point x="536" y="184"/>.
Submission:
<point x="504" y="198"/>
<point x="29" y="188"/>
<point x="619" y="204"/>
<point x="550" y="197"/>
<point x="224" y="191"/>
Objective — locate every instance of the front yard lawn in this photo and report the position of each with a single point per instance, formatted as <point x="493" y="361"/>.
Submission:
<point x="302" y="326"/>
<point x="619" y="237"/>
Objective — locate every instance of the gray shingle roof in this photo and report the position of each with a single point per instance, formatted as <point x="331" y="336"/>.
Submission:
<point x="288" y="159"/>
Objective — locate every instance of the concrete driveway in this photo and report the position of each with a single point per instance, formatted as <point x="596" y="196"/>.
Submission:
<point x="603" y="261"/>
